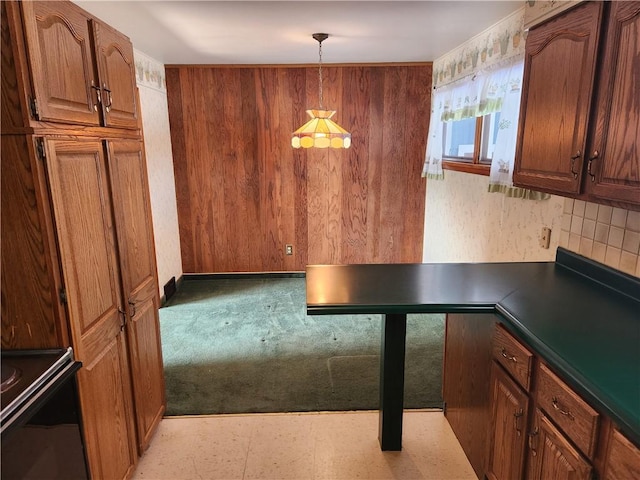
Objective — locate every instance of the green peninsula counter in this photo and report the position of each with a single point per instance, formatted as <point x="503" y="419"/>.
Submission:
<point x="582" y="317"/>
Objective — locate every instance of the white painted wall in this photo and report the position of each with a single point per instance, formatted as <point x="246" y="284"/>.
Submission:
<point x="150" y="78"/>
<point x="466" y="223"/>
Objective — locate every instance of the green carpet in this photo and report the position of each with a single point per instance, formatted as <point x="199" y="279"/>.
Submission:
<point x="247" y="345"/>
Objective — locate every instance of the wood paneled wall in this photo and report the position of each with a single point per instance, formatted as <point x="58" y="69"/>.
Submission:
<point x="243" y="192"/>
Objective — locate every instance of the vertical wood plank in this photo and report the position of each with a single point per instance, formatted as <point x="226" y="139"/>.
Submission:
<point x="418" y="95"/>
<point x="374" y="177"/>
<point x="244" y="192"/>
<point x="355" y="172"/>
<point x="296" y="96"/>
<point x="392" y="158"/>
<point x="180" y="165"/>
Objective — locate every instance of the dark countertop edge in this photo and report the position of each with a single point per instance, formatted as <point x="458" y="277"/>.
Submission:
<point x="628" y="425"/>
<point x="342" y="309"/>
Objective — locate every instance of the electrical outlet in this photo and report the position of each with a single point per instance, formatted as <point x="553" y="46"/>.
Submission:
<point x="288" y="249"/>
<point x="545" y="237"/>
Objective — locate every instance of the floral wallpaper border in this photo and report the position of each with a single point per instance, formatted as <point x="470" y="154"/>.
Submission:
<point x="537" y="11"/>
<point x="497" y="43"/>
<point x="149" y="72"/>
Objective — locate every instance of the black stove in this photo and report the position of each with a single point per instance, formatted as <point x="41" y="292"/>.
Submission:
<point x="28" y="375"/>
<point x="40" y="418"/>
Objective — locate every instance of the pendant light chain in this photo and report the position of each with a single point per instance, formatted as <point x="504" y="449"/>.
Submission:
<point x="320" y="72"/>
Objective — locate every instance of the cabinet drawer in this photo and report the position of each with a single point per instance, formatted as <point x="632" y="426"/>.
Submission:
<point x="513" y="356"/>
<point x="577" y="419"/>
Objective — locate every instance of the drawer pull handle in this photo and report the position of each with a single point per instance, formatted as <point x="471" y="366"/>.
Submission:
<point x="506" y="355"/>
<point x="533" y="434"/>
<point x="556" y="406"/>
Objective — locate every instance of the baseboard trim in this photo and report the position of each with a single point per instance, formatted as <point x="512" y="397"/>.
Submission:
<point x="164" y="299"/>
<point x="230" y="275"/>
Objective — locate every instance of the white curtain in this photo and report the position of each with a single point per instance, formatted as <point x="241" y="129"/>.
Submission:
<point x="501" y="176"/>
<point x="433" y="159"/>
<point x="483" y="93"/>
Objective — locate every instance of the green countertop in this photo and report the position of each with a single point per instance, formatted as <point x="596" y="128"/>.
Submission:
<point x="584" y="322"/>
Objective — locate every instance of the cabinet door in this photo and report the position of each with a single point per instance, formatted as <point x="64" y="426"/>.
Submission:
<point x="552" y="456"/>
<point x="83" y="218"/>
<point x="614" y="152"/>
<point x="559" y="68"/>
<point x="623" y="458"/>
<point x="114" y="54"/>
<point x="134" y="228"/>
<point x="60" y="56"/>
<point x="32" y="316"/>
<point x="509" y="413"/>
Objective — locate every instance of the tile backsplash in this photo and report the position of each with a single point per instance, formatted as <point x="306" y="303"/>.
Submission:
<point x="602" y="233"/>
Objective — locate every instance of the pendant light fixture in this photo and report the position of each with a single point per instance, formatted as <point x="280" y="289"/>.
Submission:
<point x="321" y="131"/>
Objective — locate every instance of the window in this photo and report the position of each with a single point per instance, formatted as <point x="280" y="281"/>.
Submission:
<point x="468" y="144"/>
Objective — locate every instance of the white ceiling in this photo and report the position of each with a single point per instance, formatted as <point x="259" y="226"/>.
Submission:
<point x="267" y="32"/>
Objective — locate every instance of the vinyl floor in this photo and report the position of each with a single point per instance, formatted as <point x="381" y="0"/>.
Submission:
<point x="325" y="445"/>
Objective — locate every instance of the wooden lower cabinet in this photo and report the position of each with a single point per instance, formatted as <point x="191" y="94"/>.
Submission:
<point x="508" y="427"/>
<point x="551" y="455"/>
<point x="466" y="378"/>
<point x="510" y="432"/>
<point x="622" y="460"/>
<point x="107" y="412"/>
<point x="137" y="259"/>
<point x="84" y="203"/>
<point x="82" y="210"/>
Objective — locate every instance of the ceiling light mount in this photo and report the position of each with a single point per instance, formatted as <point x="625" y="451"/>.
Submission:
<point x="320" y="37"/>
<point x="320" y="131"/>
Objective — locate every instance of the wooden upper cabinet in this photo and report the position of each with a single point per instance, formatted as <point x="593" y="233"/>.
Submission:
<point x="614" y="151"/>
<point x="58" y="44"/>
<point x="82" y="70"/>
<point x="580" y="111"/>
<point x="114" y="54"/>
<point x="559" y="69"/>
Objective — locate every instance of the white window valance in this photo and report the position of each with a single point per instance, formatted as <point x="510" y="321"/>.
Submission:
<point x="482" y="76"/>
<point x="479" y="95"/>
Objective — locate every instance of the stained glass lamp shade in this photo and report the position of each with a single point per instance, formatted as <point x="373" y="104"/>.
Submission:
<point x="320" y="131"/>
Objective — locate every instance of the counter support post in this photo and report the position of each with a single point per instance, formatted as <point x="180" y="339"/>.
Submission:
<point x="394" y="329"/>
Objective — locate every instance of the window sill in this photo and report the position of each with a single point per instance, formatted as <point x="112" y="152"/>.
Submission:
<point x="475" y="168"/>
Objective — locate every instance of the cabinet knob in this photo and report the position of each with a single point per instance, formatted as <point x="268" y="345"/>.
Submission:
<point x="573" y="161"/>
